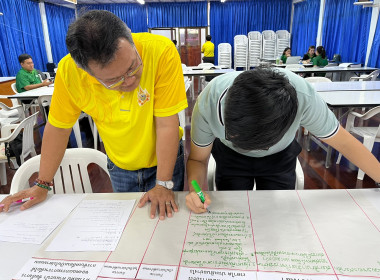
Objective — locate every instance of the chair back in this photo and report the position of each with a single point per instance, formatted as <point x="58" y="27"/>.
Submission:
<point x="206" y="65"/>
<point x="27" y="127"/>
<point x="71" y="176"/>
<point x="14" y="88"/>
<point x="44" y="101"/>
<point x="374" y="75"/>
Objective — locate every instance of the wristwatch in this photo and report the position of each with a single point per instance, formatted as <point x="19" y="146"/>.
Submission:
<point x="167" y="184"/>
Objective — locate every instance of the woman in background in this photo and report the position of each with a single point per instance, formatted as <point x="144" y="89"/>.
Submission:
<point x="320" y="59"/>
<point x="309" y="55"/>
<point x="285" y="54"/>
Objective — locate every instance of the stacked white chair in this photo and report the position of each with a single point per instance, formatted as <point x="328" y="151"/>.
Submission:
<point x="241" y="51"/>
<point x="282" y="41"/>
<point x="224" y="55"/>
<point x="269" y="45"/>
<point x="254" y="51"/>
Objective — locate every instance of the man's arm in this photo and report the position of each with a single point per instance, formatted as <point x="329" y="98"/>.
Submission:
<point x="355" y="152"/>
<point x="166" y="150"/>
<point x="53" y="148"/>
<point x="43" y="84"/>
<point x="196" y="169"/>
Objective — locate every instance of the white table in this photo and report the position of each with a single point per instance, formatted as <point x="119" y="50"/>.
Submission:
<point x="351" y="98"/>
<point x="196" y="71"/>
<point x="34" y="93"/>
<point x="333" y="69"/>
<point x="6" y="79"/>
<point x="347" y="86"/>
<point x="308" y="234"/>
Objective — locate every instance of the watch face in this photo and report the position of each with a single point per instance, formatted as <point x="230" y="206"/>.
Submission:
<point x="169" y="185"/>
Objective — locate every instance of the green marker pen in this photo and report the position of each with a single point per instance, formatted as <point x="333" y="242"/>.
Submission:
<point x="199" y="192"/>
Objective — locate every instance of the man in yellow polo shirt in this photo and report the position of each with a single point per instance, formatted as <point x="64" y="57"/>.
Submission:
<point x="208" y="51"/>
<point x="133" y="88"/>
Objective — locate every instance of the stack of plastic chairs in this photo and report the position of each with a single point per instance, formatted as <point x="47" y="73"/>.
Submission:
<point x="241" y="51"/>
<point x="254" y="52"/>
<point x="282" y="41"/>
<point x="224" y="55"/>
<point x="269" y="45"/>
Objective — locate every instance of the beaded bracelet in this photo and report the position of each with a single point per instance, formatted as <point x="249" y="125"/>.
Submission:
<point x="44" y="184"/>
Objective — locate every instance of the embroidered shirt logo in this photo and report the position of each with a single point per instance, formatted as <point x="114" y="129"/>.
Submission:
<point x="143" y="96"/>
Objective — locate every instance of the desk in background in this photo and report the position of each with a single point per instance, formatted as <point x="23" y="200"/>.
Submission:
<point x="308" y="234"/>
<point x="5" y="89"/>
<point x="196" y="71"/>
<point x="347" y="86"/>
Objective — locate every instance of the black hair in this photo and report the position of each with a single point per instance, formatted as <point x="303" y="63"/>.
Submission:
<point x="311" y="47"/>
<point x="23" y="57"/>
<point x="283" y="53"/>
<point x="95" y="36"/>
<point x="260" y="107"/>
<point x="174" y="42"/>
<point x="321" y="50"/>
<point x="208" y="38"/>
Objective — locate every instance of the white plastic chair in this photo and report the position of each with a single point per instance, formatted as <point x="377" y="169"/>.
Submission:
<point x="211" y="168"/>
<point x="317" y="79"/>
<point x="269" y="45"/>
<point x="254" y="48"/>
<point x="370" y="134"/>
<point x="9" y="115"/>
<point x="224" y="55"/>
<point x="8" y="135"/>
<point x="371" y="77"/>
<point x="282" y="41"/>
<point x="71" y="176"/>
<point x="14" y="100"/>
<point x="241" y="51"/>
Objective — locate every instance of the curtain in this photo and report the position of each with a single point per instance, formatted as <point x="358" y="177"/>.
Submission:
<point x="187" y="14"/>
<point x="134" y="15"/>
<point x="240" y="17"/>
<point x="21" y="32"/>
<point x="374" y="57"/>
<point x="345" y="30"/>
<point x="305" y="26"/>
<point x="58" y="20"/>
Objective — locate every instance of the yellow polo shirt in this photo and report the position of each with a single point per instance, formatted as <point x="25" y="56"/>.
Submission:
<point x="125" y="120"/>
<point x="208" y="49"/>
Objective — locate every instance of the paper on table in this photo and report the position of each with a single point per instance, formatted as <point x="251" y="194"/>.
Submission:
<point x="35" y="224"/>
<point x="96" y="225"/>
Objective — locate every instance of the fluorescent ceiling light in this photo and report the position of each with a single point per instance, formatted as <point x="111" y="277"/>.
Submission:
<point x="72" y="1"/>
<point x="1" y="13"/>
<point x="222" y="1"/>
<point x="142" y="2"/>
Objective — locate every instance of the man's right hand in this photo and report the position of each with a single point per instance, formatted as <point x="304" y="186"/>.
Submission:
<point x="39" y="194"/>
<point x="46" y="82"/>
<point x="194" y="203"/>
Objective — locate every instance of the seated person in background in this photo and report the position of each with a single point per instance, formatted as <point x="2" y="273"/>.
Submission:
<point x="27" y="78"/>
<point x="285" y="54"/>
<point x="208" y="51"/>
<point x="309" y="55"/>
<point x="248" y="121"/>
<point x="320" y="59"/>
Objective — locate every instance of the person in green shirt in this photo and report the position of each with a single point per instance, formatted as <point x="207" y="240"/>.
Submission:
<point x="320" y="59"/>
<point x="27" y="78"/>
<point x="285" y="54"/>
<point x="309" y="55"/>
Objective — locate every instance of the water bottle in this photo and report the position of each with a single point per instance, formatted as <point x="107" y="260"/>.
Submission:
<point x="278" y="60"/>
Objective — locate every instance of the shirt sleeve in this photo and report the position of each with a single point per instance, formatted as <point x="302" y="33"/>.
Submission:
<point x="318" y="118"/>
<point x="63" y="112"/>
<point x="170" y="94"/>
<point x="201" y="132"/>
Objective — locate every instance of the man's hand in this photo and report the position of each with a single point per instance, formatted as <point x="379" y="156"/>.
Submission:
<point x="39" y="194"/>
<point x="162" y="200"/>
<point x="194" y="203"/>
<point x="46" y="82"/>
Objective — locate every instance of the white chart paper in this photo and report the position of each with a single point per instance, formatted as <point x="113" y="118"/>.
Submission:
<point x="96" y="225"/>
<point x="35" y="224"/>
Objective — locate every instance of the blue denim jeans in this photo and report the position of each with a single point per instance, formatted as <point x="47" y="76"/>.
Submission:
<point x="144" y="179"/>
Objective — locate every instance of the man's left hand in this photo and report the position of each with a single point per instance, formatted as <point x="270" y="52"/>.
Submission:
<point x="162" y="200"/>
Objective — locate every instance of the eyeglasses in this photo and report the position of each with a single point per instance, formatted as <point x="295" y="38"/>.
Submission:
<point x="125" y="76"/>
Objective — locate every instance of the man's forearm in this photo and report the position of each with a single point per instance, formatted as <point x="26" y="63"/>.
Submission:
<point x="54" y="145"/>
<point x="196" y="170"/>
<point x="30" y="87"/>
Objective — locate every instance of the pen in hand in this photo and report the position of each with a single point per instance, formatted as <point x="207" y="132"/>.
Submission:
<point x="199" y="192"/>
<point x="19" y="201"/>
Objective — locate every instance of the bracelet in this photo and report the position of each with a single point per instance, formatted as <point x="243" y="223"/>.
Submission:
<point x="44" y="184"/>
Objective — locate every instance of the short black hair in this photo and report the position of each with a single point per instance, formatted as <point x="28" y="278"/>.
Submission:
<point x="23" y="57"/>
<point x="321" y="50"/>
<point x="208" y="38"/>
<point x="95" y="36"/>
<point x="260" y="107"/>
<point x="174" y="42"/>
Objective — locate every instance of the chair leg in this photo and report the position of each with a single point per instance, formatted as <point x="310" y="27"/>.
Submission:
<point x="339" y="158"/>
<point x="95" y="135"/>
<point x="3" y="174"/>
<point x="78" y="137"/>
